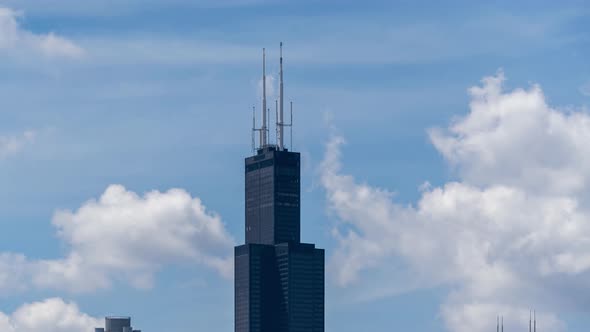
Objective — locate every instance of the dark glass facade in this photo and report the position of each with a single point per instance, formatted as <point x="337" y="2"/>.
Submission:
<point x="279" y="281"/>
<point x="300" y="270"/>
<point x="273" y="197"/>
<point x="256" y="286"/>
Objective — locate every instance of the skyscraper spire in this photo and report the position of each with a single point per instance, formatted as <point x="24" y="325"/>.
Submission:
<point x="535" y="320"/>
<point x="530" y="321"/>
<point x="276" y="121"/>
<point x="263" y="130"/>
<point x="281" y="121"/>
<point x="291" y="127"/>
<point x="253" y="128"/>
<point x="497" y="323"/>
<point x="502" y="324"/>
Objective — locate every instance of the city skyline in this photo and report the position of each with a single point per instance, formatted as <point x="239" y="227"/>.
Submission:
<point x="442" y="153"/>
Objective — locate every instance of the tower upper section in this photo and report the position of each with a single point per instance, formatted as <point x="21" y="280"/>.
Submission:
<point x="273" y="197"/>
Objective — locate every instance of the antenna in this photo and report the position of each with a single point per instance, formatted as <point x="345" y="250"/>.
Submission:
<point x="502" y="323"/>
<point x="265" y="136"/>
<point x="263" y="131"/>
<point x="291" y="128"/>
<point x="281" y="97"/>
<point x="253" y="127"/>
<point x="280" y="129"/>
<point x="535" y="320"/>
<point x="497" y="323"/>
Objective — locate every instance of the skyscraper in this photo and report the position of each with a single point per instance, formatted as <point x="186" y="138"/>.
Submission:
<point x="279" y="281"/>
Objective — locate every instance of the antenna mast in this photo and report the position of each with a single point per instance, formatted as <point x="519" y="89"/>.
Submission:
<point x="280" y="122"/>
<point x="254" y="129"/>
<point x="291" y="128"/>
<point x="263" y="130"/>
<point x="276" y="122"/>
<point x="279" y="111"/>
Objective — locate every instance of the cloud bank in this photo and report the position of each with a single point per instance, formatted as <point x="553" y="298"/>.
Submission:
<point x="512" y="233"/>
<point x="51" y="315"/>
<point x="125" y="237"/>
<point x="15" y="39"/>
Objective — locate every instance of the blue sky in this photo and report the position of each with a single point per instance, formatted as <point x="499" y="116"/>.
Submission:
<point x="153" y="95"/>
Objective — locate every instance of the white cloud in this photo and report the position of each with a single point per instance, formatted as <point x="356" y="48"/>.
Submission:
<point x="125" y="237"/>
<point x="13" y="268"/>
<point x="53" y="45"/>
<point x="511" y="234"/>
<point x="14" y="38"/>
<point x="51" y="315"/>
<point x="10" y="145"/>
<point x="517" y="139"/>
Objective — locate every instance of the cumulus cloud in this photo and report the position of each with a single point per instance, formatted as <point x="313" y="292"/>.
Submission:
<point x="10" y="145"/>
<point x="125" y="237"/>
<point x="14" y="38"/>
<point x="518" y="140"/>
<point x="13" y="268"/>
<point x="51" y="315"/>
<point x="511" y="233"/>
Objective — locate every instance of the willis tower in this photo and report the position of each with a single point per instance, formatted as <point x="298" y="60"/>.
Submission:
<point x="279" y="281"/>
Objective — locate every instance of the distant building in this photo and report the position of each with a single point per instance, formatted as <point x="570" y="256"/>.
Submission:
<point x="116" y="324"/>
<point x="279" y="281"/>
